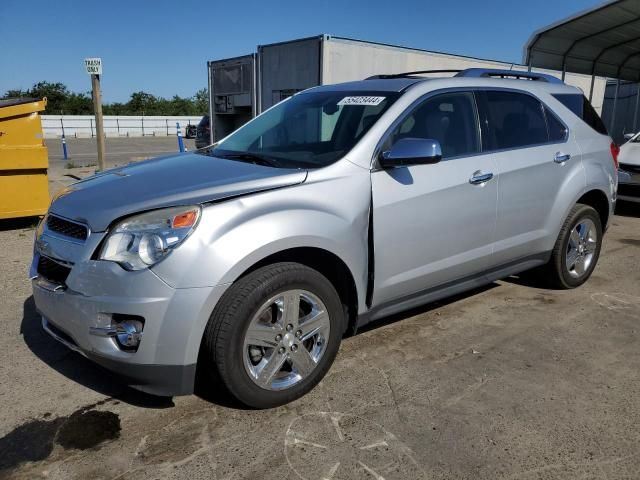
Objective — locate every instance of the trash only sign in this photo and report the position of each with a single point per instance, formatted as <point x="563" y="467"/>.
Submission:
<point x="93" y="66"/>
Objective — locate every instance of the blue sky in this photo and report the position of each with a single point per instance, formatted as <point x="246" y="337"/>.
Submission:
<point x="162" y="47"/>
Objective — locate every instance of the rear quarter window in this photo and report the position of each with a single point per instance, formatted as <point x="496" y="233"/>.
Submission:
<point x="579" y="105"/>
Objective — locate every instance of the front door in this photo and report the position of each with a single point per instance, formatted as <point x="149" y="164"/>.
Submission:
<point x="433" y="224"/>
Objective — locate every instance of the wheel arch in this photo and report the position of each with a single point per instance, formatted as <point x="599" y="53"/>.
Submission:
<point x="599" y="201"/>
<point x="328" y="264"/>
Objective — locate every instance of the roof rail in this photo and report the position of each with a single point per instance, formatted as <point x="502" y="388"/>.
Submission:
<point x="517" y="74"/>
<point x="408" y="74"/>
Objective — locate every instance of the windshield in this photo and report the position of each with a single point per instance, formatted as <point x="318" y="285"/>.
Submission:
<point x="308" y="130"/>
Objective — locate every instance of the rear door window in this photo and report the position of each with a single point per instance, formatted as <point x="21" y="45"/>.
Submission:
<point x="557" y="130"/>
<point x="516" y="120"/>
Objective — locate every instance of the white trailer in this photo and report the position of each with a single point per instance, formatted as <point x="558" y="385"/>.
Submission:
<point x="280" y="70"/>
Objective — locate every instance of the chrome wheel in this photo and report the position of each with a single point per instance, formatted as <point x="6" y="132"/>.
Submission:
<point x="286" y="339"/>
<point x="581" y="248"/>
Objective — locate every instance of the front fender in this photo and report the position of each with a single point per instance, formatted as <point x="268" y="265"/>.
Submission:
<point x="329" y="214"/>
<point x="326" y="213"/>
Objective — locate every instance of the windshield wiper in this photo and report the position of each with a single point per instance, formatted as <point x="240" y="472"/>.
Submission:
<point x="251" y="158"/>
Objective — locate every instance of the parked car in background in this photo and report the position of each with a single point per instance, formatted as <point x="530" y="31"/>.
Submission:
<point x="202" y="133"/>
<point x="190" y="131"/>
<point x="629" y="172"/>
<point x="247" y="262"/>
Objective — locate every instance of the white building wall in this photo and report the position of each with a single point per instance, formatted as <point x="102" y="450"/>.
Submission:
<point x="348" y="60"/>
<point x="83" y="126"/>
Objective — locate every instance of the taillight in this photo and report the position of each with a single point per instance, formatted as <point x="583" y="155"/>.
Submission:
<point x="615" y="150"/>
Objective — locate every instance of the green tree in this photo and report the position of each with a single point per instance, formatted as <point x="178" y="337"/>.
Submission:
<point x="78" y="104"/>
<point x="141" y="103"/>
<point x="61" y="101"/>
<point x="56" y="93"/>
<point x="201" y="102"/>
<point x="17" y="93"/>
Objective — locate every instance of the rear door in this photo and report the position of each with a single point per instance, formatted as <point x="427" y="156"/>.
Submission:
<point x="433" y="224"/>
<point x="534" y="157"/>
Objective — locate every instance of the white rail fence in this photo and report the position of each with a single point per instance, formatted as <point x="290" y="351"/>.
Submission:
<point x="83" y="126"/>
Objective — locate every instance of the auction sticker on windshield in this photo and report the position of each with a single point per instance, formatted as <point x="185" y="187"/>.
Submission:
<point x="361" y="101"/>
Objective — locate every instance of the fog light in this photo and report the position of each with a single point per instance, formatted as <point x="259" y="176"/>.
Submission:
<point x="129" y="333"/>
<point x="125" y="330"/>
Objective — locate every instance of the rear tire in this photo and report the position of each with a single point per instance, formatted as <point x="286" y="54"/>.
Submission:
<point x="273" y="335"/>
<point x="577" y="249"/>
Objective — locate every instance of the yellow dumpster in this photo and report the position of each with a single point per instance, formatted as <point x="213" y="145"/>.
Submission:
<point x="24" y="187"/>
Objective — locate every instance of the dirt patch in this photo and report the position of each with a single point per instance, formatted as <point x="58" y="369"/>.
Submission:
<point x="34" y="440"/>
<point x="83" y="430"/>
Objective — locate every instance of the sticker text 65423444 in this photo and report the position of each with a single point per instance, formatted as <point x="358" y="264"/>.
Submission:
<point x="362" y="100"/>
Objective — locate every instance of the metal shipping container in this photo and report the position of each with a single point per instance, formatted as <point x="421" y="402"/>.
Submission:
<point x="232" y="94"/>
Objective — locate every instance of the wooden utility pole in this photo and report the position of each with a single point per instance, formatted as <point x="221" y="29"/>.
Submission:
<point x="93" y="67"/>
<point x="97" y="108"/>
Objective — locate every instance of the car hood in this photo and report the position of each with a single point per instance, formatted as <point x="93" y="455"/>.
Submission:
<point x="630" y="154"/>
<point x="183" y="179"/>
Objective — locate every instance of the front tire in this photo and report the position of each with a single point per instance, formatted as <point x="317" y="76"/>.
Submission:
<point x="577" y="249"/>
<point x="273" y="335"/>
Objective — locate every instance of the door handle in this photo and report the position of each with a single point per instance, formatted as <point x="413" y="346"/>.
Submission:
<point x="561" y="157"/>
<point x="478" y="178"/>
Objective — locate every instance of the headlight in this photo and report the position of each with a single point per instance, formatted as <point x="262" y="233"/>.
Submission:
<point x="143" y="240"/>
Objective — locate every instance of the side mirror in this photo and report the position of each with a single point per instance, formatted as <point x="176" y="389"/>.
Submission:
<point x="629" y="136"/>
<point x="412" y="151"/>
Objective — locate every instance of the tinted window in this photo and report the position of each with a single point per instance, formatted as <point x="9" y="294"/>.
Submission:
<point x="557" y="131"/>
<point x="591" y="117"/>
<point x="516" y="120"/>
<point x="579" y="105"/>
<point x="449" y="118"/>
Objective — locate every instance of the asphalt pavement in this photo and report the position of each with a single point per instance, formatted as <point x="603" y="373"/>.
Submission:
<point x="512" y="381"/>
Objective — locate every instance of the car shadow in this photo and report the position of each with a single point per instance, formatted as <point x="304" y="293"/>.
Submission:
<point x="18" y="223"/>
<point x="535" y="278"/>
<point x="628" y="209"/>
<point x="77" y="368"/>
<point x="401" y="175"/>
<point x="422" y="309"/>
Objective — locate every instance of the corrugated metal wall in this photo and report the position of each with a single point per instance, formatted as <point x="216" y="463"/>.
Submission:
<point x="625" y="118"/>
<point x="288" y="68"/>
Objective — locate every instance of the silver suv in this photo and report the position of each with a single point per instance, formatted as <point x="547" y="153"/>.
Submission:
<point x="245" y="263"/>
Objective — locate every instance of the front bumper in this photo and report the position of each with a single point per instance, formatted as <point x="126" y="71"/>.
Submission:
<point x="629" y="183"/>
<point x="163" y="380"/>
<point x="165" y="361"/>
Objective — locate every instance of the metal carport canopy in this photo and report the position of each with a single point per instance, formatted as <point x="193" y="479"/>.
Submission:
<point x="603" y="41"/>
